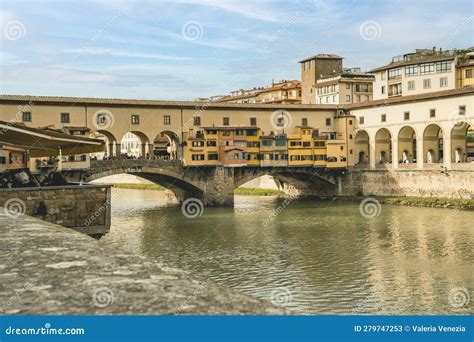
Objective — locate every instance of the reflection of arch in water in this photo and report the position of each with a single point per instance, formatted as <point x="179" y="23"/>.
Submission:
<point x="433" y="144"/>
<point x="462" y="143"/>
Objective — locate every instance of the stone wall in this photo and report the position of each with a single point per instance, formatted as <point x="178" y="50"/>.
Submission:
<point x="451" y="184"/>
<point x="84" y="208"/>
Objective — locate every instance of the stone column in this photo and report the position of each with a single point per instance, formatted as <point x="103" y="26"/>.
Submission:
<point x="219" y="188"/>
<point x="394" y="152"/>
<point x="143" y="151"/>
<point x="110" y="150"/>
<point x="420" y="154"/>
<point x="372" y="156"/>
<point x="118" y="148"/>
<point x="447" y="150"/>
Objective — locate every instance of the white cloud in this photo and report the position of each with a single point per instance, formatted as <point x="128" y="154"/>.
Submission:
<point x="124" y="53"/>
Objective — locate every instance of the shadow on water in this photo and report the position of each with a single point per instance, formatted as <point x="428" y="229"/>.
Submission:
<point x="315" y="257"/>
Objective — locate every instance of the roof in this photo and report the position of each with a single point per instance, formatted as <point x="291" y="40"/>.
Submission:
<point x="47" y="142"/>
<point x="322" y="56"/>
<point x="71" y="101"/>
<point x="237" y="97"/>
<point x="282" y="86"/>
<point x="323" y="82"/>
<point x="226" y="128"/>
<point x="426" y="59"/>
<point x="410" y="98"/>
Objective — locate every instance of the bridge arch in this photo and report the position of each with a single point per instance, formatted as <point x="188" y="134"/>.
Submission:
<point x="134" y="144"/>
<point x="110" y="143"/>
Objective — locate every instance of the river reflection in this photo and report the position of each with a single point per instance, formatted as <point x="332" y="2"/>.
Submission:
<point x="313" y="257"/>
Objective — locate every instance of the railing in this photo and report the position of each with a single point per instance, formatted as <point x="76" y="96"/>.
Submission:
<point x="117" y="163"/>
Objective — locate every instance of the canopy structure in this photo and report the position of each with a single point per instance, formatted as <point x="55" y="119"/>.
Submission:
<point x="47" y="142"/>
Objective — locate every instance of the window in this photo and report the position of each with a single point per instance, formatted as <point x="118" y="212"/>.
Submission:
<point x="443" y="66"/>
<point x="432" y="113"/>
<point x="382" y="90"/>
<point x="394" y="73"/>
<point x="211" y="143"/>
<point x="266" y="143"/>
<point x="411" y="85"/>
<point x="198" y="143"/>
<point x="427" y="83"/>
<point x="384" y="117"/>
<point x="361" y="120"/>
<point x="468" y="73"/>
<point x="319" y="143"/>
<point x="239" y="132"/>
<point x="226" y="121"/>
<point x="212" y="156"/>
<point x="348" y="86"/>
<point x="253" y="121"/>
<point x="358" y="98"/>
<point x="26" y="116"/>
<point x="462" y="110"/>
<point x="65" y="118"/>
<point x="251" y="132"/>
<point x="443" y="82"/>
<point x="304" y="122"/>
<point x="382" y="76"/>
<point x="427" y="68"/>
<point x="348" y="98"/>
<point x="197" y="121"/>
<point x="406" y="116"/>
<point x="135" y="119"/>
<point x="411" y="70"/>
<point x="166" y="120"/>
<point x="328" y="121"/>
<point x="197" y="157"/>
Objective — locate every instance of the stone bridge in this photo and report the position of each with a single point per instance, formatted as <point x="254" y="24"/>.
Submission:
<point x="215" y="186"/>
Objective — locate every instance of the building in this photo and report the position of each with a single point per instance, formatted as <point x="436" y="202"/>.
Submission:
<point x="315" y="68"/>
<point x="282" y="92"/>
<point x="350" y="86"/>
<point x="423" y="71"/>
<point x="241" y="96"/>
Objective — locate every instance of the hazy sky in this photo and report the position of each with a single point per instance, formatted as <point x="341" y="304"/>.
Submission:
<point x="187" y="49"/>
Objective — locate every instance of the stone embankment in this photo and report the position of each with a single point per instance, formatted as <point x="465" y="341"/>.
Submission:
<point x="47" y="269"/>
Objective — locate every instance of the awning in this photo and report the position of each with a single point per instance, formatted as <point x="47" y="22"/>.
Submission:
<point x="47" y="142"/>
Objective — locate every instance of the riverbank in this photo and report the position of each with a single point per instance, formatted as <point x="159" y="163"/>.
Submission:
<point x="430" y="202"/>
<point x="47" y="269"/>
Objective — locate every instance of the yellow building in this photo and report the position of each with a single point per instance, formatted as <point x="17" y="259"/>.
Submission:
<point x="300" y="150"/>
<point x="283" y="92"/>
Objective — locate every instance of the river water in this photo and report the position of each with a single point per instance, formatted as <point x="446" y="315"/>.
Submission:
<point x="311" y="257"/>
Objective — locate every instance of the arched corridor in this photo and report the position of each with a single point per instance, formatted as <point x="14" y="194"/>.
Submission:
<point x="134" y="144"/>
<point x="362" y="148"/>
<point x="462" y="143"/>
<point x="433" y="144"/>
<point x="167" y="146"/>
<point x="383" y="147"/>
<point x="407" y="145"/>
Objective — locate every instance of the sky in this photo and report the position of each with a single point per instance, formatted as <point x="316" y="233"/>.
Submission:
<point x="182" y="50"/>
